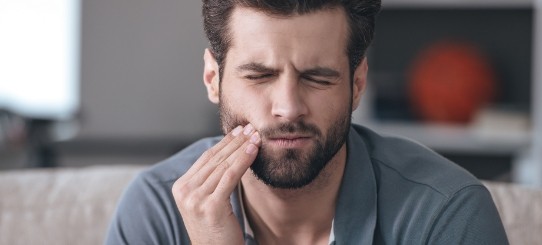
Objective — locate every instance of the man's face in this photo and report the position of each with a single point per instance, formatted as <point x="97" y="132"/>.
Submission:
<point x="289" y="78"/>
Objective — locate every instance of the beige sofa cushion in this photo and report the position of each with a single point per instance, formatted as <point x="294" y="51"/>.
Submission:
<point x="60" y="206"/>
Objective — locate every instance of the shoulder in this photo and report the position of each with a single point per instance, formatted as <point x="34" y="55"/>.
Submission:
<point x="422" y="196"/>
<point x="175" y="166"/>
<point x="159" y="178"/>
<point x="146" y="212"/>
<point x="405" y="161"/>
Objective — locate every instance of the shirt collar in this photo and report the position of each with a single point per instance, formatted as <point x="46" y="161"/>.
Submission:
<point x="356" y="210"/>
<point x="247" y="228"/>
<point x="249" y="234"/>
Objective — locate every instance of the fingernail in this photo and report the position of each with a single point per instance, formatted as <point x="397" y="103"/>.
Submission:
<point x="251" y="149"/>
<point x="255" y="138"/>
<point x="237" y="131"/>
<point x="248" y="129"/>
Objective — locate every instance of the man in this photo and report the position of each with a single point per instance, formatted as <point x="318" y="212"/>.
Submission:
<point x="291" y="169"/>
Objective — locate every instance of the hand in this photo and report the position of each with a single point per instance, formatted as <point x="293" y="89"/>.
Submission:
<point x="202" y="194"/>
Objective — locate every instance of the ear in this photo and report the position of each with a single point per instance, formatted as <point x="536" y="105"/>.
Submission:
<point x="211" y="76"/>
<point x="360" y="82"/>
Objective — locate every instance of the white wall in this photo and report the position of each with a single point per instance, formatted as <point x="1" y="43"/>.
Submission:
<point x="142" y="70"/>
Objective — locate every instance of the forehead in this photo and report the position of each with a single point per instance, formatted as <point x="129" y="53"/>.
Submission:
<point x="317" y="37"/>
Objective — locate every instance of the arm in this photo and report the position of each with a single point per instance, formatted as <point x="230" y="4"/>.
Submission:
<point x="146" y="214"/>
<point x="150" y="212"/>
<point x="469" y="217"/>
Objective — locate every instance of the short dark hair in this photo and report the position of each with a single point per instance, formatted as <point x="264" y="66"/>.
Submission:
<point x="361" y="16"/>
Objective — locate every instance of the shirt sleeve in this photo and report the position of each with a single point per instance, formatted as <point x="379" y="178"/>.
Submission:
<point x="469" y="217"/>
<point x="146" y="214"/>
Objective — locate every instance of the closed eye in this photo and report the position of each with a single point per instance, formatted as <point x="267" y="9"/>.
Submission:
<point x="258" y="76"/>
<point x="321" y="76"/>
<point x="318" y="81"/>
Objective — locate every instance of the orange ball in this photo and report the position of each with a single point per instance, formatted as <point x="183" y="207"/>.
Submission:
<point x="450" y="82"/>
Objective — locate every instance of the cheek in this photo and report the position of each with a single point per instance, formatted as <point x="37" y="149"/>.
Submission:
<point x="329" y="109"/>
<point x="325" y="111"/>
<point x="254" y="109"/>
<point x="246" y="103"/>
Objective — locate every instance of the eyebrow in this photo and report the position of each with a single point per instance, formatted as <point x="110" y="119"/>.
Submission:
<point x="256" y="67"/>
<point x="316" y="71"/>
<point x="322" y="72"/>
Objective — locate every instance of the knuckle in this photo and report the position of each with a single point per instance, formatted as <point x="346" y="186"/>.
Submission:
<point x="220" y="160"/>
<point x="217" y="159"/>
<point x="183" y="191"/>
<point x="213" y="203"/>
<point x="209" y="153"/>
<point x="229" y="177"/>
<point x="193" y="205"/>
<point x="228" y="137"/>
<point x="220" y="168"/>
<point x="213" y="207"/>
<point x="225" y="163"/>
<point x="180" y="192"/>
<point x="190" y="204"/>
<point x="175" y="187"/>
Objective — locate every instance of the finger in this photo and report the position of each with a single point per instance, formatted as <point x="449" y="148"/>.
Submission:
<point x="210" y="165"/>
<point x="209" y="186"/>
<point x="207" y="155"/>
<point x="231" y="177"/>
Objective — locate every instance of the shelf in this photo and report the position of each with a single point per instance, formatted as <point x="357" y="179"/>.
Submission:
<point x="480" y="21"/>
<point x="457" y="3"/>
<point x="459" y="139"/>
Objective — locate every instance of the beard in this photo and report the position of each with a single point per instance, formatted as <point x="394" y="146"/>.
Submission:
<point x="291" y="168"/>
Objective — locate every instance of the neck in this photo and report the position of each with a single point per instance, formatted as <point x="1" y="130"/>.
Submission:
<point x="299" y="216"/>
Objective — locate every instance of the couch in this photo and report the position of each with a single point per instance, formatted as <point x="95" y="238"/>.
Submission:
<point x="74" y="205"/>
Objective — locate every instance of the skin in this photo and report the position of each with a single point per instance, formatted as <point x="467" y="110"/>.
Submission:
<point x="288" y="90"/>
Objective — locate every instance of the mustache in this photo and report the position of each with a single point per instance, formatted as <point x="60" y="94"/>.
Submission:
<point x="290" y="128"/>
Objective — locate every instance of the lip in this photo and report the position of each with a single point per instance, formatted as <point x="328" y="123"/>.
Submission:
<point x="289" y="141"/>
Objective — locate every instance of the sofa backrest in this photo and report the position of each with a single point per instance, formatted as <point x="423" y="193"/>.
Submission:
<point x="75" y="205"/>
<point x="520" y="208"/>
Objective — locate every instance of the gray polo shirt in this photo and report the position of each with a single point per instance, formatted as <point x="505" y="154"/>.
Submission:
<point x="394" y="191"/>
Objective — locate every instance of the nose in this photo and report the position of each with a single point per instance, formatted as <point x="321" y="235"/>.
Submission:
<point x="289" y="102"/>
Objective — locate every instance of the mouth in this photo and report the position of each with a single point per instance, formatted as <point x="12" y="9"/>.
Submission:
<point x="289" y="141"/>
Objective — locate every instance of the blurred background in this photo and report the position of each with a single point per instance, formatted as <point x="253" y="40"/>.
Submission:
<point x="129" y="92"/>
<point x="117" y="82"/>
